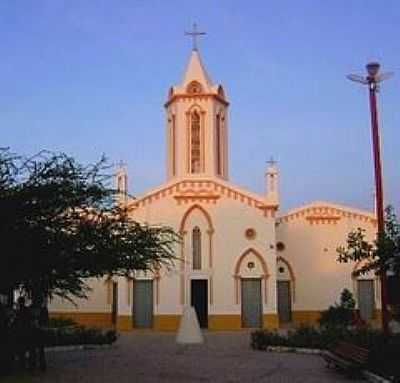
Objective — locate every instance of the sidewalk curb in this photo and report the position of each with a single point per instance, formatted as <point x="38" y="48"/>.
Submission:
<point x="373" y="378"/>
<point x="77" y="347"/>
<point x="297" y="350"/>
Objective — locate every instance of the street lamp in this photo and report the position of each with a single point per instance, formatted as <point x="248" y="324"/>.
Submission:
<point x="373" y="79"/>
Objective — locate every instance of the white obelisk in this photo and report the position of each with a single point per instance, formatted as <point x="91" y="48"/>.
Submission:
<point x="189" y="331"/>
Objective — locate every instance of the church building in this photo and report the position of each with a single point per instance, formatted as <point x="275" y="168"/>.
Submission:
<point x="243" y="263"/>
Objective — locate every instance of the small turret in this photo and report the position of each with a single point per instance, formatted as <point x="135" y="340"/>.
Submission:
<point x="121" y="182"/>
<point x="272" y="182"/>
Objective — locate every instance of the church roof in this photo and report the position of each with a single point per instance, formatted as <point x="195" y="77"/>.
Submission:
<point x="195" y="71"/>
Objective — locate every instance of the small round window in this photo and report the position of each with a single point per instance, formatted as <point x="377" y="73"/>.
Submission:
<point x="194" y="87"/>
<point x="250" y="233"/>
<point x="280" y="246"/>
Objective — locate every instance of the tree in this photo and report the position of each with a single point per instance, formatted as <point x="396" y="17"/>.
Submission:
<point x="379" y="256"/>
<point x="382" y="256"/>
<point x="339" y="316"/>
<point x="60" y="225"/>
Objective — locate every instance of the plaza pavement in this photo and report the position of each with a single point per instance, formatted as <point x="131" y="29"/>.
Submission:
<point x="155" y="357"/>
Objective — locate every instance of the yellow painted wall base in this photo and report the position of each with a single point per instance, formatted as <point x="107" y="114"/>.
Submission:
<point x="166" y="322"/>
<point x="376" y="321"/>
<point x="124" y="323"/>
<point x="224" y="322"/>
<point x="271" y="321"/>
<point x="305" y="317"/>
<point x="86" y="319"/>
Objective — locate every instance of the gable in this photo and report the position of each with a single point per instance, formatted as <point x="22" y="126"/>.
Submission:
<point x="321" y="212"/>
<point x="208" y="191"/>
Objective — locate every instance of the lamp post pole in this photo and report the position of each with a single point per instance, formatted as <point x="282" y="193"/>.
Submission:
<point x="379" y="192"/>
<point x="373" y="79"/>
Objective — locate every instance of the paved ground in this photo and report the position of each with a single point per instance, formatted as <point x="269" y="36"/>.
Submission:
<point x="154" y="357"/>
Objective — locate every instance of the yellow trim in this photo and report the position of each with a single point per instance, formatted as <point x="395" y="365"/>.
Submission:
<point x="306" y="317"/>
<point x="224" y="322"/>
<point x="271" y="321"/>
<point x="87" y="319"/>
<point x="166" y="322"/>
<point x="124" y="323"/>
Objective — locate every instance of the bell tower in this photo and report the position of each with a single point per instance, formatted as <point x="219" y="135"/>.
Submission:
<point x="197" y="124"/>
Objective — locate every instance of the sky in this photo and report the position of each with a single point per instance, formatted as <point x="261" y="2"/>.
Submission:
<point x="91" y="77"/>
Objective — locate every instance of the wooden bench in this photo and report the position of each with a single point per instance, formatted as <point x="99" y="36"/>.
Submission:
<point x="347" y="357"/>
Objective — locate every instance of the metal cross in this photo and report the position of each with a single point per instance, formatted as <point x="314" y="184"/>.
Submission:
<point x="194" y="34"/>
<point x="271" y="161"/>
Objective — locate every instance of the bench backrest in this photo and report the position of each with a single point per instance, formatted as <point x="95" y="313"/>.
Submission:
<point x="351" y="352"/>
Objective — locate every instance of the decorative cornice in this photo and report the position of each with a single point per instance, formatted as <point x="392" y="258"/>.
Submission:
<point x="200" y="196"/>
<point x="199" y="96"/>
<point x="325" y="214"/>
<point x="203" y="190"/>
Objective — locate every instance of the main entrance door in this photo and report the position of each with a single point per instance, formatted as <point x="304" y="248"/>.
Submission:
<point x="366" y="300"/>
<point x="143" y="304"/>
<point x="199" y="300"/>
<point x="284" y="301"/>
<point x="251" y="303"/>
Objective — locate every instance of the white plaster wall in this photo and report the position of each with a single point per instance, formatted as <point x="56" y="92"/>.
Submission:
<point x="96" y="302"/>
<point x="230" y="218"/>
<point x="311" y="251"/>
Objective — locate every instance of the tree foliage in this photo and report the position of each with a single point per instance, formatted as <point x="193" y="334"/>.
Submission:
<point x="380" y="255"/>
<point x="339" y="315"/>
<point x="60" y="224"/>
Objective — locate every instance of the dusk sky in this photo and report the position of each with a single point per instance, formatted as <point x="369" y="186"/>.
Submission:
<point x="91" y="77"/>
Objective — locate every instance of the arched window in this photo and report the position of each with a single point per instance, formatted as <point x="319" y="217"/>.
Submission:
<point x="218" y="144"/>
<point x="173" y="145"/>
<point x="195" y="147"/>
<point x="196" y="247"/>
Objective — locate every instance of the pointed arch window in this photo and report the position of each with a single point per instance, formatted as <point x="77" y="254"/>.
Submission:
<point x="218" y="134"/>
<point x="196" y="248"/>
<point x="173" y="144"/>
<point x="195" y="143"/>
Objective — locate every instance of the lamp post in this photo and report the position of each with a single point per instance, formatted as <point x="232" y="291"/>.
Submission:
<point x="372" y="80"/>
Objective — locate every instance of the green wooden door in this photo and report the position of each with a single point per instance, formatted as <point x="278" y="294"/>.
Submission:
<point x="284" y="301"/>
<point x="366" y="299"/>
<point x="251" y="303"/>
<point x="143" y="304"/>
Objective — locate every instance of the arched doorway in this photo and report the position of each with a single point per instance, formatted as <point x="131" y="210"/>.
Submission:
<point x="251" y="274"/>
<point x="197" y="231"/>
<point x="285" y="288"/>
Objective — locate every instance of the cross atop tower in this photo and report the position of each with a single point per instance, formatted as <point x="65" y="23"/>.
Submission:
<point x="194" y="35"/>
<point x="271" y="162"/>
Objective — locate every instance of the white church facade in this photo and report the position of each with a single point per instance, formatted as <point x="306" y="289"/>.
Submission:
<point x="242" y="262"/>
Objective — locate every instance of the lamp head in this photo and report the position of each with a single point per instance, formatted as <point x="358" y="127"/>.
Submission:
<point x="373" y="69"/>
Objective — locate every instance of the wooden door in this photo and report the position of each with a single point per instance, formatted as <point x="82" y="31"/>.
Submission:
<point x="251" y="303"/>
<point x="284" y="301"/>
<point x="366" y="299"/>
<point x="143" y="304"/>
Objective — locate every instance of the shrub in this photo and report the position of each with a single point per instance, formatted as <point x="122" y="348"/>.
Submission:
<point x="262" y="339"/>
<point x="79" y="335"/>
<point x="341" y="315"/>
<point x="61" y="322"/>
<point x="305" y="336"/>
